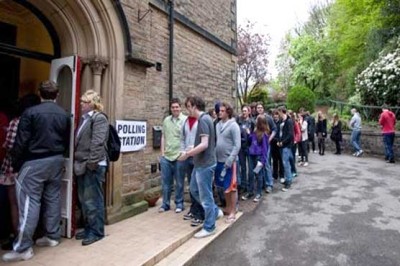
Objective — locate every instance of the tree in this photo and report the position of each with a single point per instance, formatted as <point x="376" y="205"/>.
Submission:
<point x="299" y="97"/>
<point x="258" y="94"/>
<point x="253" y="50"/>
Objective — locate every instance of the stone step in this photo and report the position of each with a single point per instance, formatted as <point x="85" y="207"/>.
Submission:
<point x="188" y="251"/>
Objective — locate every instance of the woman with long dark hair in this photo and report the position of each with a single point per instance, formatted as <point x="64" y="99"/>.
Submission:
<point x="336" y="135"/>
<point x="321" y="132"/>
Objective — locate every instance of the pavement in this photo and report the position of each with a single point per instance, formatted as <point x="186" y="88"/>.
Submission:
<point x="341" y="210"/>
<point x="150" y="238"/>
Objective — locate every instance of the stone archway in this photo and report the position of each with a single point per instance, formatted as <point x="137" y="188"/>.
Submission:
<point x="92" y="30"/>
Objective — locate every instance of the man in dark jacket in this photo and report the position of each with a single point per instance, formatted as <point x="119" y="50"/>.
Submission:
<point x="42" y="140"/>
<point x="285" y="142"/>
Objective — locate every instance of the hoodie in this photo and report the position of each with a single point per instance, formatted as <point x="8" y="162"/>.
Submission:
<point x="228" y="141"/>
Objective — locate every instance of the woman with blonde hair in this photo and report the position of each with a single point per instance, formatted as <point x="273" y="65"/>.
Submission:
<point x="336" y="134"/>
<point x="90" y="166"/>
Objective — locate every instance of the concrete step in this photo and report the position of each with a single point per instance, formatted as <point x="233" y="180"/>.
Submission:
<point x="185" y="253"/>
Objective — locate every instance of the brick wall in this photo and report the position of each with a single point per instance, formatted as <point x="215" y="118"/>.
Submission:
<point x="200" y="67"/>
<point x="215" y="16"/>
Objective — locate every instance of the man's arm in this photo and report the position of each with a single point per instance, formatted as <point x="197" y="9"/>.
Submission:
<point x="236" y="146"/>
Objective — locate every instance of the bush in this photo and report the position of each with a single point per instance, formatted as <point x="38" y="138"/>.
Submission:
<point x="298" y="97"/>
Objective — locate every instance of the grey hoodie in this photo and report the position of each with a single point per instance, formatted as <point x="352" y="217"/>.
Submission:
<point x="228" y="141"/>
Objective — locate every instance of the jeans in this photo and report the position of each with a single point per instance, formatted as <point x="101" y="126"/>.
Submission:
<point x="303" y="150"/>
<point x="260" y="176"/>
<point x="38" y="187"/>
<point x="269" y="181"/>
<point x="277" y="166"/>
<point x="91" y="197"/>
<point x="388" y="140"/>
<point x="244" y="162"/>
<point x="293" y="162"/>
<point x="355" y="139"/>
<point x="171" y="170"/>
<point x="195" y="208"/>
<point x="287" y="158"/>
<point x="201" y="189"/>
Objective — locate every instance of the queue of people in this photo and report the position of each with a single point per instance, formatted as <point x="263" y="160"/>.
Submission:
<point x="238" y="157"/>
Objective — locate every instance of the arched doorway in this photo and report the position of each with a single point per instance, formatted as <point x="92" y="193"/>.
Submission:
<point x="48" y="29"/>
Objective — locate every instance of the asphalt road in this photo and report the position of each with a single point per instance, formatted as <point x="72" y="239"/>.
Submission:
<point x="341" y="210"/>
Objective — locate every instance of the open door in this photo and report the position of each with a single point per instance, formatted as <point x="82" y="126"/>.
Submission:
<point x="65" y="72"/>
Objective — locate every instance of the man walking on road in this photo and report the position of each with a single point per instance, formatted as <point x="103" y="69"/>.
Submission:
<point x="171" y="168"/>
<point x="355" y="125"/>
<point x="42" y="140"/>
<point x="387" y="120"/>
<point x="204" y="165"/>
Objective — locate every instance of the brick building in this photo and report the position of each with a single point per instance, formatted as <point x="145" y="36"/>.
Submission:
<point x="136" y="53"/>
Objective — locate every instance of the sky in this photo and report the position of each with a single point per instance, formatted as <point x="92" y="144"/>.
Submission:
<point x="274" y="17"/>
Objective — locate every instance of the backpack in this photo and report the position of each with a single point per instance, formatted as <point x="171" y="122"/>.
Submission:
<point x="113" y="145"/>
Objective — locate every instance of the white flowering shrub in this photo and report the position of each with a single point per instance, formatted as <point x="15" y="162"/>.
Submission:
<point x="380" y="82"/>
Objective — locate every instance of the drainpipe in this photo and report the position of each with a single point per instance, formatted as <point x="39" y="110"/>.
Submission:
<point x="171" y="50"/>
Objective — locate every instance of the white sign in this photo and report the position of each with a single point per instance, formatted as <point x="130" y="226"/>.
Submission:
<point x="132" y="134"/>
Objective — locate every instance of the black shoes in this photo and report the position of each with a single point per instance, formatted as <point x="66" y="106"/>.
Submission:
<point x="80" y="235"/>
<point x="90" y="240"/>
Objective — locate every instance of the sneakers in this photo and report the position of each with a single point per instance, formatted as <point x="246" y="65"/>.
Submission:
<point x="257" y="198"/>
<point x="220" y="214"/>
<point x="314" y="151"/>
<point x="204" y="233"/>
<point x="188" y="216"/>
<point x="293" y="175"/>
<point x="300" y="164"/>
<point x="46" y="242"/>
<point x="285" y="188"/>
<point x="359" y="153"/>
<point x="268" y="190"/>
<point x="305" y="164"/>
<point x="162" y="209"/>
<point x="196" y="222"/>
<point x="355" y="154"/>
<point x="178" y="210"/>
<point x="282" y="180"/>
<point x="247" y="195"/>
<point x="16" y="256"/>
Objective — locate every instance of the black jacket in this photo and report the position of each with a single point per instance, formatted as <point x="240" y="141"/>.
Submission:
<point x="321" y="127"/>
<point x="43" y="131"/>
<point x="286" y="136"/>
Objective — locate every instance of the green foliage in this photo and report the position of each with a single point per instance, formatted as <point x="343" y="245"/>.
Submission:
<point x="258" y="94"/>
<point x="299" y="97"/>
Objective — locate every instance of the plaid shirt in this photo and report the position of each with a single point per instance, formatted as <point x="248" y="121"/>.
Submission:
<point x="7" y="178"/>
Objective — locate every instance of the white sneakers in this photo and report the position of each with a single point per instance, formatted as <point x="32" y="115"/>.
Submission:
<point x="16" y="256"/>
<point x="203" y="232"/>
<point x="46" y="242"/>
<point x="220" y="214"/>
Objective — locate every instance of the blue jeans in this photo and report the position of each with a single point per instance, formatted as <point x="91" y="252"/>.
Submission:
<point x="260" y="176"/>
<point x="196" y="209"/>
<point x="388" y="140"/>
<point x="355" y="139"/>
<point x="171" y="170"/>
<point x="91" y="197"/>
<point x="287" y="157"/>
<point x="269" y="181"/>
<point x="201" y="189"/>
<point x="244" y="161"/>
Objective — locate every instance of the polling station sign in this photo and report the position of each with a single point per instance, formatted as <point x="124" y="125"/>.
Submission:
<point x="132" y="134"/>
